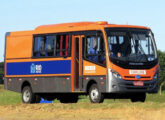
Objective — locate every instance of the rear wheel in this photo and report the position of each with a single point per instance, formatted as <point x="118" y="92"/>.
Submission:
<point x="95" y="95"/>
<point x="28" y="96"/>
<point x="138" y="97"/>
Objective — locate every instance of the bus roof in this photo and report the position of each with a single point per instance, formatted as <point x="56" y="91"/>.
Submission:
<point x="75" y="26"/>
<point x="78" y="26"/>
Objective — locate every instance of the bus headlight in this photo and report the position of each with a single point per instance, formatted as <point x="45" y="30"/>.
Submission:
<point x="116" y="74"/>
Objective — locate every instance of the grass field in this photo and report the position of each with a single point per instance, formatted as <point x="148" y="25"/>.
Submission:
<point x="11" y="108"/>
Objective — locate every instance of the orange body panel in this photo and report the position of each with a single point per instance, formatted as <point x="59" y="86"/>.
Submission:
<point x="19" y="47"/>
<point x="125" y="72"/>
<point x="92" y="69"/>
<point x="21" y="33"/>
<point x="80" y="26"/>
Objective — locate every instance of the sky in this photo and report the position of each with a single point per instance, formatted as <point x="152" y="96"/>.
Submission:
<point x="19" y="15"/>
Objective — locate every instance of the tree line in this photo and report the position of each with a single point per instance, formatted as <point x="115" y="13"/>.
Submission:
<point x="161" y="56"/>
<point x="1" y="72"/>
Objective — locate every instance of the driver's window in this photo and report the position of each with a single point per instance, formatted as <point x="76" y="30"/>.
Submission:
<point x="115" y="44"/>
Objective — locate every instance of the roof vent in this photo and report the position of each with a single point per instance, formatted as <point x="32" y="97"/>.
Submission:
<point x="102" y="22"/>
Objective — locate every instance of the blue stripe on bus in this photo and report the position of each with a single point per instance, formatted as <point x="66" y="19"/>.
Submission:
<point x="41" y="67"/>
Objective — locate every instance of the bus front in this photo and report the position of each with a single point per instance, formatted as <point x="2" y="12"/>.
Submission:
<point x="133" y="61"/>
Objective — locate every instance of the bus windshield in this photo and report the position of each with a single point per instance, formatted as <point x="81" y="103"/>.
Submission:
<point x="132" y="45"/>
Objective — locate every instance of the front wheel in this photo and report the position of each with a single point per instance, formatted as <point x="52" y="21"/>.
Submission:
<point x="95" y="95"/>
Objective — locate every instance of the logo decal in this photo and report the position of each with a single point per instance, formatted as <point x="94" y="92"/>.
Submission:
<point x="32" y="68"/>
<point x="138" y="76"/>
<point x="35" y="68"/>
<point x="90" y="69"/>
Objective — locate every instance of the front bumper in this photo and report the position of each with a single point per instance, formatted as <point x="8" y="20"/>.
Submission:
<point x="117" y="85"/>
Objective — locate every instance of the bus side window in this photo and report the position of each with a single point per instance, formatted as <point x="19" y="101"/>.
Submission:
<point x="95" y="49"/>
<point x="92" y="48"/>
<point x="52" y="45"/>
<point x="63" y="45"/>
<point x="39" y="47"/>
<point x="49" y="47"/>
<point x="42" y="47"/>
<point x="67" y="45"/>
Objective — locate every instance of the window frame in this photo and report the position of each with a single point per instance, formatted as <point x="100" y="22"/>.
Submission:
<point x="94" y="33"/>
<point x="55" y="41"/>
<point x="85" y="33"/>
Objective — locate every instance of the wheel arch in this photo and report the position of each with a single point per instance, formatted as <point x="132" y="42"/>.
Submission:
<point x="25" y="83"/>
<point x="89" y="84"/>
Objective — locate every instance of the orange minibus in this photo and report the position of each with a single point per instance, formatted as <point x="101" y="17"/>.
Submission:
<point x="98" y="59"/>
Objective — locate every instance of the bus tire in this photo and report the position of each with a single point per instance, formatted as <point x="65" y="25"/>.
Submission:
<point x="28" y="96"/>
<point x="139" y="97"/>
<point x="95" y="95"/>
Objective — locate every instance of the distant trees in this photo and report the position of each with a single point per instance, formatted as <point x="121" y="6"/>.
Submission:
<point x="1" y="72"/>
<point x="161" y="56"/>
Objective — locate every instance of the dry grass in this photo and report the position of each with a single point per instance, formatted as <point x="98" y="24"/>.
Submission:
<point x="11" y="108"/>
<point x="82" y="111"/>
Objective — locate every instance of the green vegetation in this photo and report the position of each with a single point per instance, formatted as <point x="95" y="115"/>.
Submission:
<point x="1" y="72"/>
<point x="162" y="70"/>
<point x="9" y="97"/>
<point x="152" y="101"/>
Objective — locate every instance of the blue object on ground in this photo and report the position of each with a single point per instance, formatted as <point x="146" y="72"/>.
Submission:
<point x="45" y="101"/>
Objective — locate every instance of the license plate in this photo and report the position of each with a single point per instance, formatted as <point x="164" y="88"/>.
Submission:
<point x="138" y="83"/>
<point x="137" y="72"/>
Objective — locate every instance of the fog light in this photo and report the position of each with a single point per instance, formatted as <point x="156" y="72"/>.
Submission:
<point x="114" y="86"/>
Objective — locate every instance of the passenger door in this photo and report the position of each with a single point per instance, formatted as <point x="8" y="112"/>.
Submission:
<point x="94" y="62"/>
<point x="77" y="63"/>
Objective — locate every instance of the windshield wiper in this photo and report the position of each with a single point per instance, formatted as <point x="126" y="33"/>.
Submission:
<point x="143" y="53"/>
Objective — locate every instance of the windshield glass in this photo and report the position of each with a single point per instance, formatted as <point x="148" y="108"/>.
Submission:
<point x="133" y="46"/>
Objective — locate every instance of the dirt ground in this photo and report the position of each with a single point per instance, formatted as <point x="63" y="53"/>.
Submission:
<point x="83" y="111"/>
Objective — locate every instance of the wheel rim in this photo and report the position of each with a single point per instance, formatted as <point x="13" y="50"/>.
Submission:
<point x="94" y="94"/>
<point x="26" y="95"/>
